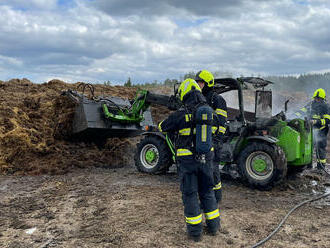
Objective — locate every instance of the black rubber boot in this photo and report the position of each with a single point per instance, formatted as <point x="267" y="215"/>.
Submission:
<point x="195" y="238"/>
<point x="320" y="166"/>
<point x="213" y="233"/>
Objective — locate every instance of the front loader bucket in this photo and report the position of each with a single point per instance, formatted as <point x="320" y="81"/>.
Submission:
<point x="90" y="123"/>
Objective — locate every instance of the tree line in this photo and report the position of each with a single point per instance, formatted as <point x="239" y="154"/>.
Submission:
<point x="303" y="82"/>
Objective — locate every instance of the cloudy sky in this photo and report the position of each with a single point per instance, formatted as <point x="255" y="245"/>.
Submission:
<point x="147" y="40"/>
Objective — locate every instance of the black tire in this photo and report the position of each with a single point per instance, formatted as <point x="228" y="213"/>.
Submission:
<point x="163" y="156"/>
<point x="262" y="165"/>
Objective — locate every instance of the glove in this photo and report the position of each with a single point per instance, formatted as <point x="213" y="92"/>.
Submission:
<point x="314" y="122"/>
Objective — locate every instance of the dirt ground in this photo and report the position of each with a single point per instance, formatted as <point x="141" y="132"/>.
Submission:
<point x="102" y="207"/>
<point x="59" y="193"/>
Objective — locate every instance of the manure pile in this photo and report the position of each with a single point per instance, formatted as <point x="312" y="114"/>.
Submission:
<point x="35" y="126"/>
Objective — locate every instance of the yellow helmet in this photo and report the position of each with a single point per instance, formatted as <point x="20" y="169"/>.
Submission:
<point x="186" y="86"/>
<point x="320" y="93"/>
<point x="206" y="77"/>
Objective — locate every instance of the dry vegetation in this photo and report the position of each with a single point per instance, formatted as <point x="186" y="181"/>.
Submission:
<point x="35" y="124"/>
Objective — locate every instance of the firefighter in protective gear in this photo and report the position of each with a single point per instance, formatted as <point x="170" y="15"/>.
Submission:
<point x="205" y="80"/>
<point x="318" y="112"/>
<point x="196" y="178"/>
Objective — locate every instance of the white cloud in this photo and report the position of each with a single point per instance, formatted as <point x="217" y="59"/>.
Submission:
<point x="114" y="40"/>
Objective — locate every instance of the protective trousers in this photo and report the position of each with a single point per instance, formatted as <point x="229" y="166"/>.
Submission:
<point x="216" y="172"/>
<point x="320" y="142"/>
<point x="196" y="181"/>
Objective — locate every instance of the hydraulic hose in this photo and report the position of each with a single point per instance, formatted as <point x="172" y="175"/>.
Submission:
<point x="323" y="168"/>
<point x="286" y="216"/>
<point x="294" y="208"/>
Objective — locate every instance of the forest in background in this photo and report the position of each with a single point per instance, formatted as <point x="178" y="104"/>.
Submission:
<point x="307" y="83"/>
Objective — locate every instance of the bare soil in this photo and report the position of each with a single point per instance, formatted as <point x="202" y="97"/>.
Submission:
<point x="59" y="193"/>
<point x="101" y="207"/>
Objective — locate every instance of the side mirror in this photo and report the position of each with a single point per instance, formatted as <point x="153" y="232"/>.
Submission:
<point x="176" y="89"/>
<point x="286" y="105"/>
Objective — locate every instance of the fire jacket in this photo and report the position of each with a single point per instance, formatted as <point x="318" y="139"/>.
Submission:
<point x="315" y="110"/>
<point x="218" y="104"/>
<point x="181" y="123"/>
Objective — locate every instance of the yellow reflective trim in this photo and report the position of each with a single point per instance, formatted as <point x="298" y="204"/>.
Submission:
<point x="212" y="149"/>
<point x="204" y="117"/>
<point x="212" y="215"/>
<point x="221" y="112"/>
<point x="304" y="110"/>
<point x="316" y="117"/>
<point x="322" y="122"/>
<point x="183" y="152"/>
<point x="322" y="161"/>
<point x="214" y="129"/>
<point x="217" y="186"/>
<point x="326" y="116"/>
<point x="222" y="129"/>
<point x="322" y="127"/>
<point x="298" y="114"/>
<point x="184" y="131"/>
<point x="204" y="133"/>
<point x="188" y="117"/>
<point x="194" y="220"/>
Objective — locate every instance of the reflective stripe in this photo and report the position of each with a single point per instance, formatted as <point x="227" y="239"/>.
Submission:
<point x="188" y="117"/>
<point x="304" y="110"/>
<point x="323" y="161"/>
<point x="212" y="149"/>
<point x="298" y="114"/>
<point x="218" y="186"/>
<point x="204" y="133"/>
<point x="204" y="117"/>
<point x="322" y="127"/>
<point x="184" y="131"/>
<point x="316" y="117"/>
<point x="183" y="152"/>
<point x="221" y="112"/>
<point x="322" y="122"/>
<point x="222" y="129"/>
<point x="326" y="116"/>
<point x="212" y="215"/>
<point x="194" y="220"/>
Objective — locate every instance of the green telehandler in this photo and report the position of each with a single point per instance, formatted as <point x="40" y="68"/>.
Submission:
<point x="257" y="147"/>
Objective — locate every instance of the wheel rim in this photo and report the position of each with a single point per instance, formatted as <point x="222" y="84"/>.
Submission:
<point x="259" y="165"/>
<point x="149" y="156"/>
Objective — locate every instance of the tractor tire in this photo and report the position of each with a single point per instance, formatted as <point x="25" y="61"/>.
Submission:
<point x="152" y="155"/>
<point x="262" y="165"/>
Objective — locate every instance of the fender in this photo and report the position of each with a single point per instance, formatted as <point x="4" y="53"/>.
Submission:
<point x="159" y="134"/>
<point x="267" y="138"/>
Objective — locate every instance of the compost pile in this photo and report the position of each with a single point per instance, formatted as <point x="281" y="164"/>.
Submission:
<point x="35" y="126"/>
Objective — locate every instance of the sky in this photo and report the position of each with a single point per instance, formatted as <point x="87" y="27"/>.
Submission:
<point x="110" y="40"/>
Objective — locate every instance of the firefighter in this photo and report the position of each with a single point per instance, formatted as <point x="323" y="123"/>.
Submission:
<point x="205" y="80"/>
<point x="196" y="177"/>
<point x="318" y="112"/>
